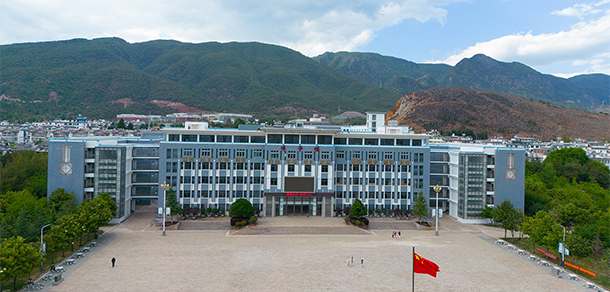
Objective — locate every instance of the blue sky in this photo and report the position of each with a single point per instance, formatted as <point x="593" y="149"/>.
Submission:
<point x="558" y="37"/>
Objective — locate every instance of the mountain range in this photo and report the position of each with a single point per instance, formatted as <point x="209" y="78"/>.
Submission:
<point x="103" y="77"/>
<point x="478" y="72"/>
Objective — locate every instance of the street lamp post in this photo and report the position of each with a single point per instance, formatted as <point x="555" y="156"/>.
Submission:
<point x="164" y="186"/>
<point x="563" y="246"/>
<point x="437" y="189"/>
<point x="41" y="244"/>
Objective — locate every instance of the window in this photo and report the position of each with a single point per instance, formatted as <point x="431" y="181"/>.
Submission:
<point x="325" y="139"/>
<point x="222" y="194"/>
<point x="172" y="153"/>
<point x="189" y="138"/>
<point x="372" y="181"/>
<point x="308" y="155"/>
<point x="187" y="152"/>
<point x="388" y="155"/>
<point x="239" y="166"/>
<point x="387" y="142"/>
<point x="341" y="154"/>
<point x="274" y="181"/>
<point x="356" y="167"/>
<point x="291" y="139"/>
<point x="291" y="154"/>
<point x="206" y="138"/>
<point x="404" y="155"/>
<point x="325" y="155"/>
<point x="273" y="167"/>
<point x="240" y="153"/>
<point x="205" y="152"/>
<point x="257" y="153"/>
<point x="290" y="167"/>
<point x="416" y="142"/>
<point x="307" y="168"/>
<point x="222" y="180"/>
<point x="204" y="180"/>
<point x="238" y="179"/>
<point x="355" y="141"/>
<point x="340" y="141"/>
<point x="372" y="155"/>
<point x="404" y="168"/>
<point x="226" y="139"/>
<point x="324" y="168"/>
<point x="339" y="180"/>
<point x="403" y="142"/>
<point x="257" y="139"/>
<point x="274" y="154"/>
<point x="242" y="139"/>
<point x="171" y="167"/>
<point x="174" y="137"/>
<point x="338" y="194"/>
<point x="388" y="168"/>
<point x="308" y="139"/>
<point x="222" y="165"/>
<point x="223" y="152"/>
<point x="204" y="165"/>
<point x="356" y="181"/>
<point x="388" y="181"/>
<point x="258" y="166"/>
<point x="257" y="180"/>
<point x="404" y="195"/>
<point x="275" y="138"/>
<point x="188" y="165"/>
<point x="340" y="167"/>
<point x="404" y="181"/>
<point x="371" y="167"/>
<point x="324" y="182"/>
<point x="356" y="154"/>
<point x="371" y="141"/>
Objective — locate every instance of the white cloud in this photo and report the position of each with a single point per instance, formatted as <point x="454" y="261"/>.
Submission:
<point x="311" y="27"/>
<point x="584" y="42"/>
<point x="578" y="10"/>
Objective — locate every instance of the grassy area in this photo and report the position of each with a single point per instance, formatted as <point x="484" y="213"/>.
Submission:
<point x="599" y="267"/>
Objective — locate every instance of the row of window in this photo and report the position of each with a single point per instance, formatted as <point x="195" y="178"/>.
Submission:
<point x="372" y="195"/>
<point x="290" y="154"/>
<point x="294" y="139"/>
<point x="221" y="194"/>
<point x="172" y="167"/>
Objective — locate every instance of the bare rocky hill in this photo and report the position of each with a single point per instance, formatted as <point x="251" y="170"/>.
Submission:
<point x="451" y="108"/>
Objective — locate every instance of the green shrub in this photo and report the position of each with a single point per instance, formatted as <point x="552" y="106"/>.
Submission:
<point x="253" y="220"/>
<point x="346" y="219"/>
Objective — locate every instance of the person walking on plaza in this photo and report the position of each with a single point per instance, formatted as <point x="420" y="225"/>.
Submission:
<point x="399" y="234"/>
<point x="348" y="262"/>
<point x="361" y="262"/>
<point x="352" y="261"/>
<point x="113" y="261"/>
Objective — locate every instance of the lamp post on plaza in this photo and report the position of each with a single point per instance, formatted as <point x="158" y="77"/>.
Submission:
<point x="164" y="186"/>
<point x="563" y="245"/>
<point x="437" y="189"/>
<point x="42" y="244"/>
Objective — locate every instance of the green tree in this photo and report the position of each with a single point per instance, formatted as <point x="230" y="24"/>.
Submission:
<point x="543" y="229"/>
<point x="420" y="208"/>
<point x="23" y="214"/>
<point x="488" y="213"/>
<point x="171" y="201"/>
<point x="357" y="209"/>
<point x="121" y="124"/>
<point x="62" y="203"/>
<point x="19" y="167"/>
<point x="238" y="122"/>
<point x="129" y="126"/>
<point x="508" y="216"/>
<point x="37" y="185"/>
<point x="17" y="258"/>
<point x="94" y="213"/>
<point x="108" y="204"/>
<point x="577" y="245"/>
<point x="241" y="208"/>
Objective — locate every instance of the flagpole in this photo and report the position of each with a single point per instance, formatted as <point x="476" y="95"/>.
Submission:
<point x="413" y="273"/>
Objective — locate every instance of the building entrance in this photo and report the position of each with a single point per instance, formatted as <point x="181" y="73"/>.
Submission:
<point x="298" y="204"/>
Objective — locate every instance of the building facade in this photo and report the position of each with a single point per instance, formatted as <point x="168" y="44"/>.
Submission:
<point x="298" y="169"/>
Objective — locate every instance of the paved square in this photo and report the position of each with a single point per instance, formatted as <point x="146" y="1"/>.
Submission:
<point x="209" y="259"/>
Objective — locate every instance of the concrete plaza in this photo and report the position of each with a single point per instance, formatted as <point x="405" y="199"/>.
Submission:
<point x="304" y="254"/>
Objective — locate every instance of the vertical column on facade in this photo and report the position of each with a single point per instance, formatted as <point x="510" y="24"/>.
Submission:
<point x="324" y="206"/>
<point x="273" y="206"/>
<point x="313" y="205"/>
<point x="282" y="201"/>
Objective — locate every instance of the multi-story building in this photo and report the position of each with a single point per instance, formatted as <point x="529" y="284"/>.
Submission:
<point x="125" y="168"/>
<point x="298" y="169"/>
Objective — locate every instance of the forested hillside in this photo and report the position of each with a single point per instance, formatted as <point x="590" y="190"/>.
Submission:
<point x="103" y="77"/>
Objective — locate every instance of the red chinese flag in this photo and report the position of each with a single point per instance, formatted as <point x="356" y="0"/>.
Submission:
<point x="424" y="266"/>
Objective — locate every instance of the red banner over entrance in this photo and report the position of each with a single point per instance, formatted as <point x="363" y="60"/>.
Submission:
<point x="546" y="253"/>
